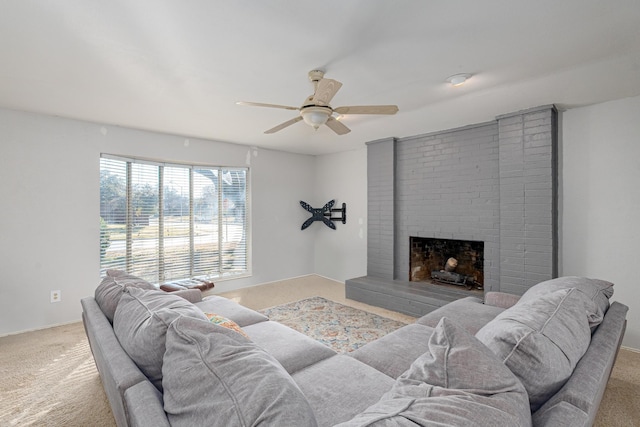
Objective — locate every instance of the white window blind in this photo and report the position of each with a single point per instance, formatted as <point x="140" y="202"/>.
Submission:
<point x="166" y="223"/>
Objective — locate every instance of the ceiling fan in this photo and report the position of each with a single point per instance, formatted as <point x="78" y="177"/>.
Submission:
<point x="316" y="110"/>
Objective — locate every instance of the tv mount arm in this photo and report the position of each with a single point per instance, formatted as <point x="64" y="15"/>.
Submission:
<point x="325" y="214"/>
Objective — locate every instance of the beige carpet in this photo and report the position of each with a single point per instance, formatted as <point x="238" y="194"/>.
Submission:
<point x="621" y="401"/>
<point x="48" y="378"/>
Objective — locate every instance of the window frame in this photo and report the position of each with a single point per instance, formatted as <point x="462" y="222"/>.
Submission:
<point x="219" y="274"/>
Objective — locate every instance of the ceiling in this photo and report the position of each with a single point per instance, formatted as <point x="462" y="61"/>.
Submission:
<point x="180" y="66"/>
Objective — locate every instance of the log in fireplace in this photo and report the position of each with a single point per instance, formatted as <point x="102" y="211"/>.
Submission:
<point x="448" y="261"/>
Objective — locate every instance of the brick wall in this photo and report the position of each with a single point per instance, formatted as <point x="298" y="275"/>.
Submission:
<point x="494" y="182"/>
<point x="447" y="187"/>
<point x="380" y="209"/>
<point x="528" y="197"/>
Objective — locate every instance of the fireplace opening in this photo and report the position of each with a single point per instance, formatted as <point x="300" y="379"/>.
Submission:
<point x="447" y="262"/>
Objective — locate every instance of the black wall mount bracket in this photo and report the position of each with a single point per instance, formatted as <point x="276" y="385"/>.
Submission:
<point x="325" y="214"/>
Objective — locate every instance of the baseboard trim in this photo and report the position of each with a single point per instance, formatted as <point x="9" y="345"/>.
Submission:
<point x="40" y="329"/>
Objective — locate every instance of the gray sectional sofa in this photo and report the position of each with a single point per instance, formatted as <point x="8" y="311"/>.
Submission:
<point x="182" y="360"/>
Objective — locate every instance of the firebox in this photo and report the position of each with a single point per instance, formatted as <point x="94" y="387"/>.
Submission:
<point x="447" y="261"/>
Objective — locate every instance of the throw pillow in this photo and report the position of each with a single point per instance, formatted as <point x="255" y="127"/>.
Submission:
<point x="458" y="381"/>
<point x="140" y="324"/>
<point x="541" y="341"/>
<point x="215" y="376"/>
<point x="216" y="319"/>
<point x="112" y="287"/>
<point x="595" y="290"/>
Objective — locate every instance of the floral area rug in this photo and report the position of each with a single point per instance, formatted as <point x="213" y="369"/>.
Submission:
<point x="336" y="325"/>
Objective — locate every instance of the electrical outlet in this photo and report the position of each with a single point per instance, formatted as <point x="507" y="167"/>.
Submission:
<point x="56" y="296"/>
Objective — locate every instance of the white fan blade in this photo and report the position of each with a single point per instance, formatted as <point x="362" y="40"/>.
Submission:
<point x="337" y="127"/>
<point x="284" y="125"/>
<point x="367" y="109"/>
<point x="326" y="90"/>
<point x="260" y="104"/>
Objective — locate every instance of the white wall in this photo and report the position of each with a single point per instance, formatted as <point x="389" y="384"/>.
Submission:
<point x="49" y="205"/>
<point x="600" y="200"/>
<point x="342" y="253"/>
<point x="49" y="210"/>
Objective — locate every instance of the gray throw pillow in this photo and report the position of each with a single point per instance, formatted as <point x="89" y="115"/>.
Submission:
<point x="457" y="382"/>
<point x="541" y="341"/>
<point x="112" y="287"/>
<point x="598" y="291"/>
<point x="215" y="376"/>
<point x="140" y="324"/>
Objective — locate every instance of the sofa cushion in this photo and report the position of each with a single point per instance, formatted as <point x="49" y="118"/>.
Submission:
<point x="140" y="324"/>
<point x="541" y="341"/>
<point x="598" y="291"/>
<point x="458" y="381"/>
<point x="393" y="353"/>
<point x="340" y="387"/>
<point x="191" y="295"/>
<point x="112" y="287"/>
<point x="215" y="376"/>
<point x="470" y="313"/>
<point x="243" y="316"/>
<point x="291" y="348"/>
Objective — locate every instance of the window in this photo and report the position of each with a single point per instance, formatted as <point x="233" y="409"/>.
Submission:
<point x="167" y="222"/>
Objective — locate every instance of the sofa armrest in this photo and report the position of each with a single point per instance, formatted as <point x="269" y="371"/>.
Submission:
<point x="587" y="384"/>
<point x="117" y="371"/>
<point x="144" y="406"/>
<point x="500" y="299"/>
<point x="191" y="295"/>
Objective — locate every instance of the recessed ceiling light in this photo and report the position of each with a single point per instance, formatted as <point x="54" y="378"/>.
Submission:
<point x="458" y="79"/>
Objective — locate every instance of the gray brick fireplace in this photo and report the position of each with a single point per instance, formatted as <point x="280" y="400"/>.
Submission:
<point x="494" y="182"/>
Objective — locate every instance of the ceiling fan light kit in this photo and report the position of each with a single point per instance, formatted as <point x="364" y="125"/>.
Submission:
<point x="315" y="116"/>
<point x="316" y="110"/>
<point x="458" y="79"/>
